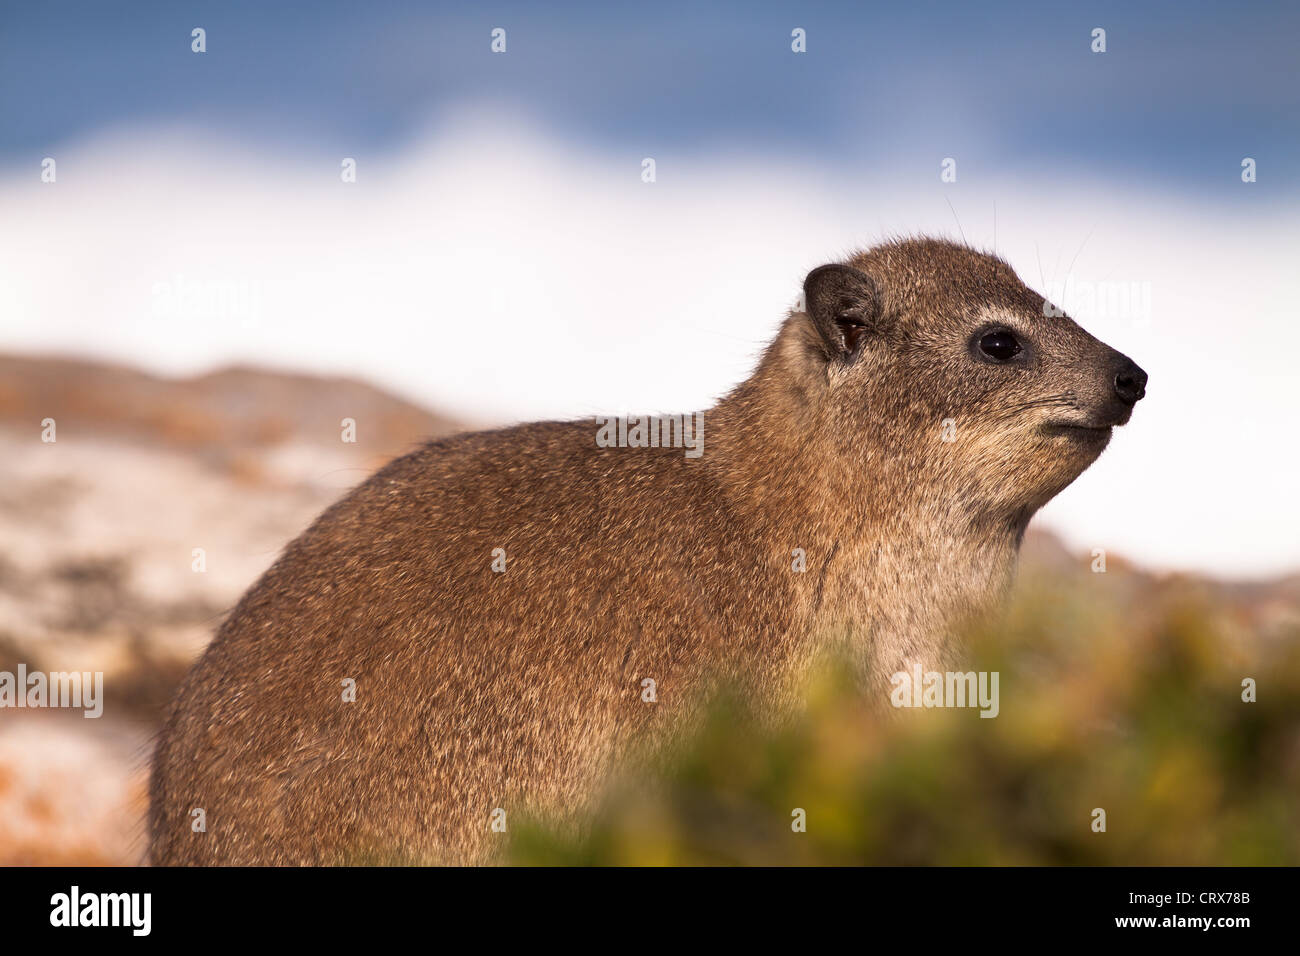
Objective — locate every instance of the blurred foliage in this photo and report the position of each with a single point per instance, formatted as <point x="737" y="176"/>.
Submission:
<point x="1116" y="692"/>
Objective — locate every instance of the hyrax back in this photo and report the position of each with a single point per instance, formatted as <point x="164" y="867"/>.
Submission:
<point x="475" y="689"/>
<point x="872" y="478"/>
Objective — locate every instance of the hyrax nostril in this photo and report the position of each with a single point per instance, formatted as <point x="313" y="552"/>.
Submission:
<point x="1130" y="383"/>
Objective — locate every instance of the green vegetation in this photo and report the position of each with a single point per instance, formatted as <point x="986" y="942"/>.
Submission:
<point x="1116" y="691"/>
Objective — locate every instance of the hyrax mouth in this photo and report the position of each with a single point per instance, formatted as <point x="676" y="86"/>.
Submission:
<point x="1100" y="422"/>
<point x="1079" y="430"/>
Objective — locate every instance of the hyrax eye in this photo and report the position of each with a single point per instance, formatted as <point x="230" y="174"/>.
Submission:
<point x="999" y="345"/>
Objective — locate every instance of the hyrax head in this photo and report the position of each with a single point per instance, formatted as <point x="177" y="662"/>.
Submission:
<point x="965" y="377"/>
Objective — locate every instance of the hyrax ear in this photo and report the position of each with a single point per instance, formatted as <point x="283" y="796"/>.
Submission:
<point x="844" y="307"/>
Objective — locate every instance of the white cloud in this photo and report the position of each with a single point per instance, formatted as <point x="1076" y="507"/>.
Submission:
<point x="498" y="273"/>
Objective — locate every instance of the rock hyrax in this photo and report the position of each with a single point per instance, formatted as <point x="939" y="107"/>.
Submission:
<point x="895" y="439"/>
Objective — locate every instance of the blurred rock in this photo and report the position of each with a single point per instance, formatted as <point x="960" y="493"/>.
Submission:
<point x="98" y="532"/>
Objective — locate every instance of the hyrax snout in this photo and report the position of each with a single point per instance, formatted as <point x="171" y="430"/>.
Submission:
<point x="515" y="611"/>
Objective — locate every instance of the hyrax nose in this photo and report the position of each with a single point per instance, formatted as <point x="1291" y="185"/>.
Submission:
<point x="1130" y="382"/>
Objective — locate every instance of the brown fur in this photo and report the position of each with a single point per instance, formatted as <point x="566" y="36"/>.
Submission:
<point x="478" y="690"/>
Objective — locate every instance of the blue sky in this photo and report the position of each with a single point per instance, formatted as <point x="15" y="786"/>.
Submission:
<point x="1184" y="91"/>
